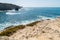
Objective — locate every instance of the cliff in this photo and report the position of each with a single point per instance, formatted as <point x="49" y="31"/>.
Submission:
<point x="7" y="6"/>
<point x="39" y="30"/>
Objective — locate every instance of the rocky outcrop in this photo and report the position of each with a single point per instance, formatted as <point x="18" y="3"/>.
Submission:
<point x="7" y="6"/>
<point x="4" y="38"/>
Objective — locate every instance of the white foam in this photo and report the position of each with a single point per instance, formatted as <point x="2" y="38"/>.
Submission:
<point x="12" y="12"/>
<point x="21" y="11"/>
<point x="27" y="22"/>
<point x="4" y="25"/>
<point x="44" y="17"/>
<point x="9" y="13"/>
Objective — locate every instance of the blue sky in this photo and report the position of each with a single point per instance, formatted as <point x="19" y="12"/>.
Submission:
<point x="34" y="3"/>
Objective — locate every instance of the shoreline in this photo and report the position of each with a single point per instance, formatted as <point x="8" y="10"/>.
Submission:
<point x="24" y="25"/>
<point x="33" y="29"/>
<point x="5" y="25"/>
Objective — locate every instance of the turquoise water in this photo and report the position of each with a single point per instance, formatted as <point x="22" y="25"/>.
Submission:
<point x="27" y="15"/>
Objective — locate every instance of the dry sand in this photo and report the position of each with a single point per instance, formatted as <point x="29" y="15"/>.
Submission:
<point x="44" y="30"/>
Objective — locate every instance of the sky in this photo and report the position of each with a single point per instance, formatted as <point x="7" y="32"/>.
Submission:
<point x="34" y="3"/>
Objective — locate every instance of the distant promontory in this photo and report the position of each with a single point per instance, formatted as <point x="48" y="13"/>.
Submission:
<point x="8" y="6"/>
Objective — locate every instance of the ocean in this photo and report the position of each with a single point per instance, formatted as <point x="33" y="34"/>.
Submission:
<point x="27" y="15"/>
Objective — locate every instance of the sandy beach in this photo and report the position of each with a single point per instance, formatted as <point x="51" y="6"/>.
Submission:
<point x="39" y="30"/>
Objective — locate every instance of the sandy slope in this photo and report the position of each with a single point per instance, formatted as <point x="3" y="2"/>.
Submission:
<point x="44" y="30"/>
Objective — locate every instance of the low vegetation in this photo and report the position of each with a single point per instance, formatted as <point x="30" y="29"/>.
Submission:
<point x="10" y="30"/>
<point x="32" y="24"/>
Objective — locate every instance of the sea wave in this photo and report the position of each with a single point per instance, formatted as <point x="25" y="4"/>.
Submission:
<point x="21" y="11"/>
<point x="45" y="17"/>
<point x="7" y="24"/>
<point x="12" y="13"/>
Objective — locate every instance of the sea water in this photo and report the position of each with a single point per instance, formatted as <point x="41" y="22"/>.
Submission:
<point x="27" y="15"/>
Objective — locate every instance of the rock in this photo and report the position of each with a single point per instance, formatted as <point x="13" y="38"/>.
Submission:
<point x="7" y="6"/>
<point x="4" y="38"/>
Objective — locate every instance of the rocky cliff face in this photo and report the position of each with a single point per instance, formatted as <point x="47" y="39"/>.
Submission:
<point x="7" y="6"/>
<point x="40" y="30"/>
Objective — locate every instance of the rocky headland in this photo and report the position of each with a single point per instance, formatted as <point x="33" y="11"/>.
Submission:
<point x="8" y="6"/>
<point x="39" y="30"/>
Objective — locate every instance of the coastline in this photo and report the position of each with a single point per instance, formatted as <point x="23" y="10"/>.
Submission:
<point x="24" y="22"/>
<point x="18" y="26"/>
<point x="32" y="23"/>
<point x="41" y="27"/>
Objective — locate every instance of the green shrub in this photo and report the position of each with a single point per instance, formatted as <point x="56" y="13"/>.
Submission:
<point x="11" y="30"/>
<point x="32" y="24"/>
